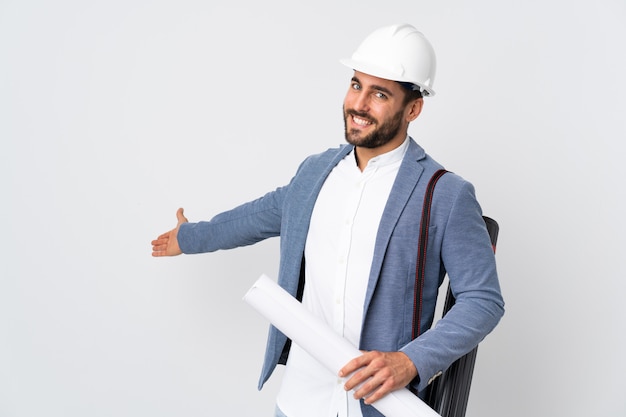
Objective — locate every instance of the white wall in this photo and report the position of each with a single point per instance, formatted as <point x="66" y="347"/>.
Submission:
<point x="115" y="113"/>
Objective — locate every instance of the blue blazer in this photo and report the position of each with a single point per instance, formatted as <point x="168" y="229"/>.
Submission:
<point x="458" y="245"/>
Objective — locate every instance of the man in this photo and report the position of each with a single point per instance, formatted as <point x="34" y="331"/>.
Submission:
<point x="349" y="224"/>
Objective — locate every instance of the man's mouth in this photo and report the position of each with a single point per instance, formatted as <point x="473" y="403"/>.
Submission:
<point x="360" y="121"/>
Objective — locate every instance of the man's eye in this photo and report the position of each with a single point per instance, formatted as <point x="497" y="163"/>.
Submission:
<point x="356" y="87"/>
<point x="380" y="95"/>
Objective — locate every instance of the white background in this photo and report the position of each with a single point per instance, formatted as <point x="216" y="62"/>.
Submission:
<point x="115" y="113"/>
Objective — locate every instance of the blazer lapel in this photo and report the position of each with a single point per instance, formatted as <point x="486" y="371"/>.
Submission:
<point x="408" y="176"/>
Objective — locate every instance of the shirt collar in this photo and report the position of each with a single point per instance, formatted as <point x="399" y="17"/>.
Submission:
<point x="388" y="158"/>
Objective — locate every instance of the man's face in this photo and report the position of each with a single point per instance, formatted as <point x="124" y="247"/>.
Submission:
<point x="374" y="112"/>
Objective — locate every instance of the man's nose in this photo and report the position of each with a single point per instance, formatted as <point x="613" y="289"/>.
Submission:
<point x="361" y="103"/>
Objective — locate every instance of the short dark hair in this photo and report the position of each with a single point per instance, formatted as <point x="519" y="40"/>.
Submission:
<point x="409" y="93"/>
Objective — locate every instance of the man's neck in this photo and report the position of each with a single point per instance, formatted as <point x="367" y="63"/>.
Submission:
<point x="363" y="155"/>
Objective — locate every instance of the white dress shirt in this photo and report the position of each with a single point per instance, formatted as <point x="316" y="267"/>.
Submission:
<point x="338" y="253"/>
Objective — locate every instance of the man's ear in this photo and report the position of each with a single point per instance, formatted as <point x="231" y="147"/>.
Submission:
<point x="414" y="109"/>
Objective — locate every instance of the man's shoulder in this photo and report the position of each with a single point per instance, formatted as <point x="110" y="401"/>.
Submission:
<point x="323" y="159"/>
<point x="331" y="153"/>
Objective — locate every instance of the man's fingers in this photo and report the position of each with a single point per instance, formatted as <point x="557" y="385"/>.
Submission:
<point x="353" y="365"/>
<point x="158" y="248"/>
<point x="375" y="394"/>
<point x="360" y="370"/>
<point x="165" y="235"/>
<point x="159" y="240"/>
<point x="180" y="216"/>
<point x="167" y="244"/>
<point x="375" y="374"/>
<point x="374" y="388"/>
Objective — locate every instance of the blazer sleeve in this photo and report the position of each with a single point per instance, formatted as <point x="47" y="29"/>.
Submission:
<point x="468" y="258"/>
<point x="244" y="225"/>
<point x="262" y="218"/>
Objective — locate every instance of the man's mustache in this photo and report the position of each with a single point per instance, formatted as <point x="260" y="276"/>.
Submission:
<point x="362" y="115"/>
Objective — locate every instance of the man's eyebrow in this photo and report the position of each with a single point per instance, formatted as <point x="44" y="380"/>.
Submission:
<point x="375" y="87"/>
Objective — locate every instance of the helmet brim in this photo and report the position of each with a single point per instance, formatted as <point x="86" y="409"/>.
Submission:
<point x="384" y="73"/>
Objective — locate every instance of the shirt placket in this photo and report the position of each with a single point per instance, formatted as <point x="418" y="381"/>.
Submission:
<point x="343" y="249"/>
<point x="353" y="202"/>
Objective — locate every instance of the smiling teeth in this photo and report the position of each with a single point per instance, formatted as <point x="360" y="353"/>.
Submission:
<point x="360" y="122"/>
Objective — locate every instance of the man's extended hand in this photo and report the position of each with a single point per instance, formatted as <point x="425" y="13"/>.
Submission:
<point x="379" y="372"/>
<point x="167" y="243"/>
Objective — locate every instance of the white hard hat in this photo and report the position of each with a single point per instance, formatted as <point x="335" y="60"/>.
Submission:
<point x="398" y="53"/>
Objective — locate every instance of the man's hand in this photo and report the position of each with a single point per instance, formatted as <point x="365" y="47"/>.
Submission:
<point x="379" y="373"/>
<point x="167" y="243"/>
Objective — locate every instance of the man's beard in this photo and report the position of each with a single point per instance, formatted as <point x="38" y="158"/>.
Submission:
<point x="381" y="135"/>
